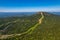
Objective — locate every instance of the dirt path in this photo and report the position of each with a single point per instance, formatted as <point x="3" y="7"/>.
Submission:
<point x="29" y="31"/>
<point x="36" y="25"/>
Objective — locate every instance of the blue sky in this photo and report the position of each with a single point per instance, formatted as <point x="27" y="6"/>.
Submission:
<point x="29" y="5"/>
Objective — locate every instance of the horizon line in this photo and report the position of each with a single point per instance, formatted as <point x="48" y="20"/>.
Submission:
<point x="31" y="9"/>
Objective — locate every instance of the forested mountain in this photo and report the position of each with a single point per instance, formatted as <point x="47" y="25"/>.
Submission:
<point x="39" y="26"/>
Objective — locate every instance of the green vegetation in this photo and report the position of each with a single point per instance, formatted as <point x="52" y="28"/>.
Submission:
<point x="49" y="29"/>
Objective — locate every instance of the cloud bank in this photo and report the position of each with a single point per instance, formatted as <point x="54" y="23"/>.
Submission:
<point x="31" y="9"/>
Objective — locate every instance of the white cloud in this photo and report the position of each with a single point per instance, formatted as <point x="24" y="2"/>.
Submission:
<point x="31" y="9"/>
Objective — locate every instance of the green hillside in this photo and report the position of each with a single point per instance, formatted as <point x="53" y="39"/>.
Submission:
<point x="29" y="28"/>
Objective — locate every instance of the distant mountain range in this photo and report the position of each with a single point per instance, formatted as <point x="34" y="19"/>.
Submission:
<point x="10" y="14"/>
<point x="14" y="14"/>
<point x="57" y="13"/>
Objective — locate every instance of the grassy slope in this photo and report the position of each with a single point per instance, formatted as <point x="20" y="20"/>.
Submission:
<point x="48" y="30"/>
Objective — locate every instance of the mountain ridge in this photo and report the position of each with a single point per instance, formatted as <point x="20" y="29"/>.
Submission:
<point x="48" y="30"/>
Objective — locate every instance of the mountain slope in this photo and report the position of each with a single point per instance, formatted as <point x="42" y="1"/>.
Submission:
<point x="48" y="30"/>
